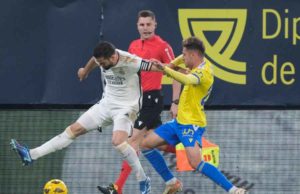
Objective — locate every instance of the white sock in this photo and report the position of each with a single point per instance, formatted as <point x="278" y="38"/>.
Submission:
<point x="232" y="190"/>
<point x="131" y="157"/>
<point x="172" y="181"/>
<point x="56" y="143"/>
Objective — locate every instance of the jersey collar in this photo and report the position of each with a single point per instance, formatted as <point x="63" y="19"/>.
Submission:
<point x="202" y="64"/>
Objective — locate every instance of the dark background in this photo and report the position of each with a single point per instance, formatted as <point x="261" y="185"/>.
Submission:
<point x="43" y="43"/>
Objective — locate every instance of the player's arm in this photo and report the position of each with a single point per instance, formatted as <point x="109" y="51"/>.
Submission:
<point x="178" y="64"/>
<point x="168" y="58"/>
<point x="150" y="65"/>
<point x="176" y="89"/>
<point x="186" y="79"/>
<point x="83" y="72"/>
<point x="154" y="64"/>
<point x="178" y="60"/>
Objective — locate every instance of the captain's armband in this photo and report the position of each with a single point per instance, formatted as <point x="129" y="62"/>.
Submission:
<point x="145" y="65"/>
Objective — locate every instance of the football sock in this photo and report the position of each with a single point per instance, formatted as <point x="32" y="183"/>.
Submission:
<point x="56" y="143"/>
<point x="123" y="176"/>
<point x="159" y="164"/>
<point x="171" y="181"/>
<point x="233" y="189"/>
<point x="215" y="175"/>
<point x="131" y="157"/>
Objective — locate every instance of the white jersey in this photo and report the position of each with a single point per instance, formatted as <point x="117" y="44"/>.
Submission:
<point x="122" y="81"/>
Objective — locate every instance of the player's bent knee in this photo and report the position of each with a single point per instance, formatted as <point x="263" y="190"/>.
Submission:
<point x="123" y="146"/>
<point x="70" y="133"/>
<point x="119" y="137"/>
<point x="116" y="142"/>
<point x="75" y="130"/>
<point x="194" y="163"/>
<point x="146" y="145"/>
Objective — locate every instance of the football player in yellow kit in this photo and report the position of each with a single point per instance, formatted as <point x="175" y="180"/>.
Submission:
<point x="190" y="124"/>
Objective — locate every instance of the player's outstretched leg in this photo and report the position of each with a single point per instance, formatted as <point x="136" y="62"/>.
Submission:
<point x="217" y="176"/>
<point x="22" y="151"/>
<point x="157" y="161"/>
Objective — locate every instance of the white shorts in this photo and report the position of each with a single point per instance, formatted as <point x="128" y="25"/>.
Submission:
<point x="103" y="114"/>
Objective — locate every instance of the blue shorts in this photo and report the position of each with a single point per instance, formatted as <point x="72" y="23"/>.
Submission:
<point x="174" y="133"/>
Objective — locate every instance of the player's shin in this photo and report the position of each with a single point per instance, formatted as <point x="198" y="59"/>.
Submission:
<point x="131" y="157"/>
<point x="124" y="174"/>
<point x="159" y="164"/>
<point x="215" y="175"/>
<point x="56" y="143"/>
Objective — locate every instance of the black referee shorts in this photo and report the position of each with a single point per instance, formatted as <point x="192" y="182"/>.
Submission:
<point x="149" y="115"/>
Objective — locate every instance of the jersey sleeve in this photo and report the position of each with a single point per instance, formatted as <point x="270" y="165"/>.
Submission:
<point x="186" y="79"/>
<point x="167" y="53"/>
<point x="179" y="62"/>
<point x="130" y="61"/>
<point x="195" y="77"/>
<point x="138" y="64"/>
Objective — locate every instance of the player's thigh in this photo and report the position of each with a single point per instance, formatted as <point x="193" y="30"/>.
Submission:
<point x="152" y="140"/>
<point x="164" y="134"/>
<point x="123" y="119"/>
<point x="190" y="135"/>
<point x="194" y="155"/>
<point x="191" y="138"/>
<point x="94" y="117"/>
<point x="168" y="133"/>
<point x="137" y="137"/>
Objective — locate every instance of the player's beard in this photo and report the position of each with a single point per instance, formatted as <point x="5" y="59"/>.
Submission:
<point x="108" y="66"/>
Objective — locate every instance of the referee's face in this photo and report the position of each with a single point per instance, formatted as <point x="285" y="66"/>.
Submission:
<point x="146" y="27"/>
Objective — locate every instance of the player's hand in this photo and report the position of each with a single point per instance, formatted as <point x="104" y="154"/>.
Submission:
<point x="82" y="74"/>
<point x="157" y="64"/>
<point x="174" y="110"/>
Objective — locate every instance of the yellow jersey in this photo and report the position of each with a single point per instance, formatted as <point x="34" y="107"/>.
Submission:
<point x="193" y="96"/>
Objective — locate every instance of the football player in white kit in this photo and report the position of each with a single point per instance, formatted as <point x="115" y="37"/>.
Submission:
<point x="119" y="105"/>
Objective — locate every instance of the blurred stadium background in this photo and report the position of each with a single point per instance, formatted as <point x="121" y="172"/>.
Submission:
<point x="255" y="120"/>
<point x="258" y="149"/>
